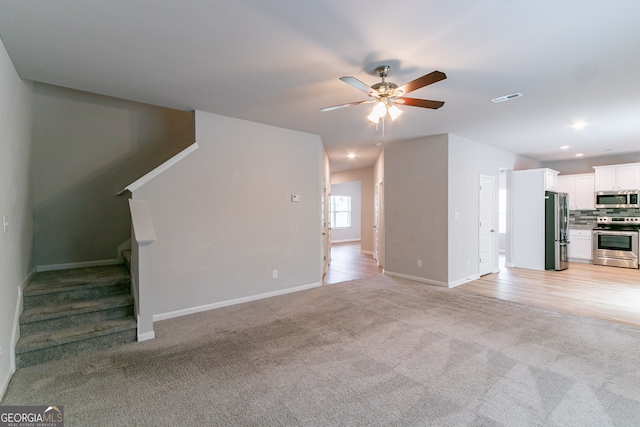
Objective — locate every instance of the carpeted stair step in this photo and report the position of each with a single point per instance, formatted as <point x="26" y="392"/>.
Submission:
<point x="52" y="345"/>
<point x="51" y="317"/>
<point x="126" y="256"/>
<point x="69" y="312"/>
<point x="79" y="284"/>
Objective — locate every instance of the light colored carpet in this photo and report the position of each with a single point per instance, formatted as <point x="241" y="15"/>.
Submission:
<point x="377" y="351"/>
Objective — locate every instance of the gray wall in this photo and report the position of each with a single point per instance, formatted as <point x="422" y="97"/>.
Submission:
<point x="416" y="208"/>
<point x="15" y="202"/>
<point x="86" y="148"/>
<point x="224" y="218"/>
<point x="426" y="182"/>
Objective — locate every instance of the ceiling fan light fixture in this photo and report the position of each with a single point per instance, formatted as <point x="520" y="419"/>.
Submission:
<point x="394" y="111"/>
<point x="379" y="110"/>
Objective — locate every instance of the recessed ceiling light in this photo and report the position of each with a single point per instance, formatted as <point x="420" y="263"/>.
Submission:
<point x="578" y="125"/>
<point x="351" y="155"/>
<point x="564" y="147"/>
<point x="579" y="155"/>
<point x="506" y="97"/>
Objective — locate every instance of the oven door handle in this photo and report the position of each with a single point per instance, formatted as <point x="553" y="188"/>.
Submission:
<point x="616" y="233"/>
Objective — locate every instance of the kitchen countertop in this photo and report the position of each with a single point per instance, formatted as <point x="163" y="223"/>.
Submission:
<point x="581" y="227"/>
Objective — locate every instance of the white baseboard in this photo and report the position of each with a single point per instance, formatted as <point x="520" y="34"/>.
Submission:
<point x="434" y="282"/>
<point x="15" y="336"/>
<point x="126" y="246"/>
<point x="4" y="382"/>
<point x="15" y="332"/>
<point x="83" y="264"/>
<point x="146" y="336"/>
<point x="463" y="281"/>
<point x="367" y="252"/>
<point x="207" y="307"/>
<point x="417" y="279"/>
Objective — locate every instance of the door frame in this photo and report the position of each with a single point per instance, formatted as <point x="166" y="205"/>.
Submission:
<point x="378" y="224"/>
<point x="490" y="187"/>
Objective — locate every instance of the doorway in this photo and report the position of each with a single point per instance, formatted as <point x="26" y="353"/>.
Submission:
<point x="486" y="226"/>
<point x="349" y="263"/>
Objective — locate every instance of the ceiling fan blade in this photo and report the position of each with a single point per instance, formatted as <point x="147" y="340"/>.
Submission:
<point x="424" y="103"/>
<point x="432" y="77"/>
<point x="350" y="104"/>
<point x="357" y="84"/>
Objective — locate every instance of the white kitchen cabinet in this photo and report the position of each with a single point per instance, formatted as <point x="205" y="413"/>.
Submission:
<point x="580" y="188"/>
<point x="550" y="179"/>
<point x="580" y="245"/>
<point x="617" y="177"/>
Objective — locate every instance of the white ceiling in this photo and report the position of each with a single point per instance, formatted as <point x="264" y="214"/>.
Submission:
<point x="278" y="62"/>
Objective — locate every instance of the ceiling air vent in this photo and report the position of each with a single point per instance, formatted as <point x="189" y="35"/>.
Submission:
<point x="507" y="97"/>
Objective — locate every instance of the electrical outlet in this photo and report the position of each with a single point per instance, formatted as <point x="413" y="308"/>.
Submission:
<point x="275" y="274"/>
<point x="419" y="263"/>
<point x="5" y="223"/>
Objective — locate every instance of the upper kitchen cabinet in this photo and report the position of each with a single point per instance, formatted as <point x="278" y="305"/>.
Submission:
<point x="617" y="177"/>
<point x="550" y="179"/>
<point x="580" y="188"/>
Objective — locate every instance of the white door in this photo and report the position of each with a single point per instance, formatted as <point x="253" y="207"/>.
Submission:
<point x="378" y="225"/>
<point x="325" y="230"/>
<point x="486" y="230"/>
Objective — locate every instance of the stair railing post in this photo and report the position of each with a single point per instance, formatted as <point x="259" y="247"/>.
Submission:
<point x="142" y="236"/>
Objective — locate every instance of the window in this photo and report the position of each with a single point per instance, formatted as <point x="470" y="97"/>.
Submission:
<point x="340" y="211"/>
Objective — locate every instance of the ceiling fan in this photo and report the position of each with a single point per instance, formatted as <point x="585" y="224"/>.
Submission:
<point x="386" y="94"/>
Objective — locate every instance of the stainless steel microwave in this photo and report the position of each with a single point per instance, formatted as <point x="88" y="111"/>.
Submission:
<point x="617" y="199"/>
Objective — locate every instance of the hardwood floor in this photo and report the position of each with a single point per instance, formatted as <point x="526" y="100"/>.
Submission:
<point x="347" y="263"/>
<point x="606" y="293"/>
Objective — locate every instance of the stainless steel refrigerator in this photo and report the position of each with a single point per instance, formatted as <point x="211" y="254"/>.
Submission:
<point x="556" y="231"/>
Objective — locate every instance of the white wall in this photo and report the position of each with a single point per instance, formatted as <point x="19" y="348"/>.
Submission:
<point x="86" y="148"/>
<point x="224" y="218"/>
<point x="467" y="161"/>
<point x="426" y="182"/>
<point x="353" y="233"/>
<point x="15" y="203"/>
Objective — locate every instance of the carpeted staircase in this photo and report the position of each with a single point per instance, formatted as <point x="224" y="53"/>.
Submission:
<point x="69" y="312"/>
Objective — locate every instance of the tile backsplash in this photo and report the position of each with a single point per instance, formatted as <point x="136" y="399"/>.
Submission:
<point x="588" y="218"/>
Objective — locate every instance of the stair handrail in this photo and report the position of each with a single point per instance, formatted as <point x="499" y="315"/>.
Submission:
<point x="143" y="235"/>
<point x="158" y="170"/>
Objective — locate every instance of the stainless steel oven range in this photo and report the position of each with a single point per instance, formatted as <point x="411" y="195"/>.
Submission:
<point x="615" y="241"/>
